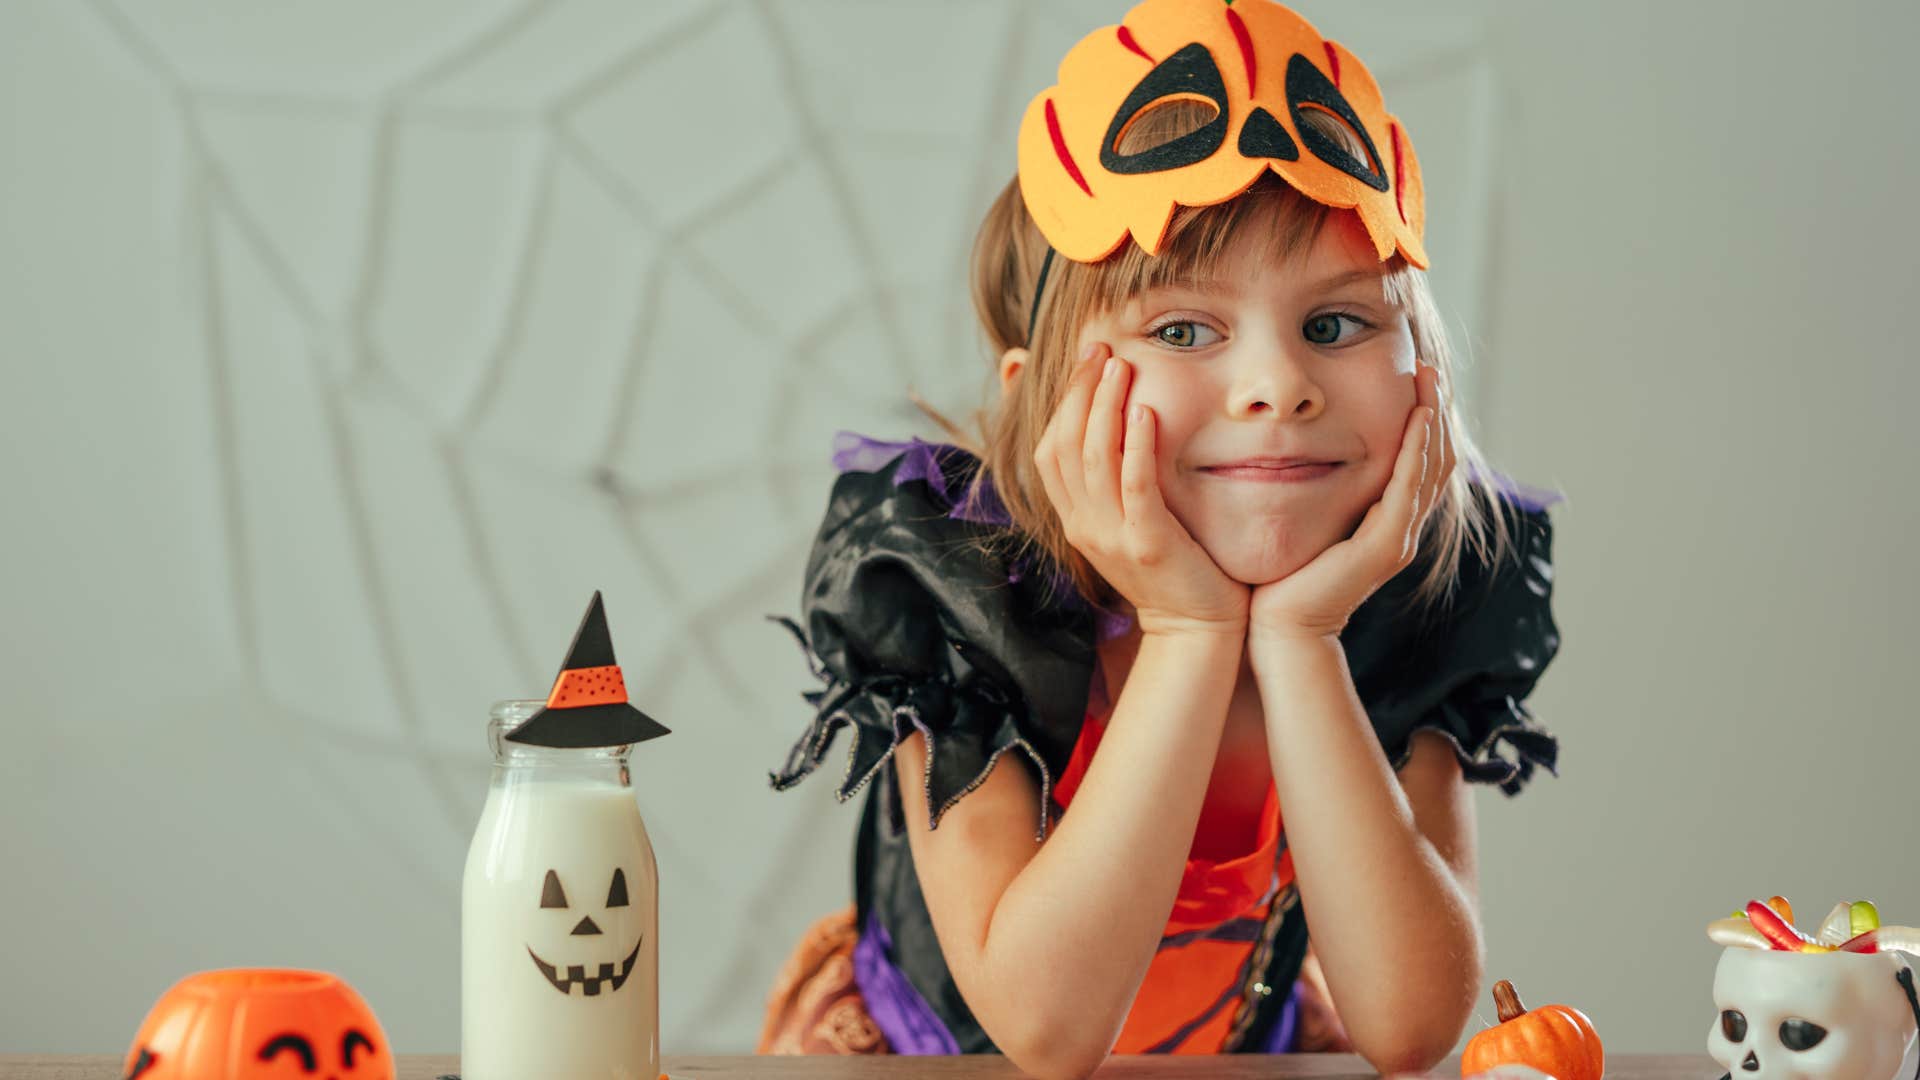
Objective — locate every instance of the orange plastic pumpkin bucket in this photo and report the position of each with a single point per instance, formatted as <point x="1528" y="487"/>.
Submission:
<point x="260" y="1024"/>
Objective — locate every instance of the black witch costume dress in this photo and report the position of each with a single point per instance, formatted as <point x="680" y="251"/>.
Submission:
<point x="913" y="626"/>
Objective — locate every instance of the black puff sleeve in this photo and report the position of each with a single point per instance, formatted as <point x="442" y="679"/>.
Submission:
<point x="912" y="626"/>
<point x="1467" y="673"/>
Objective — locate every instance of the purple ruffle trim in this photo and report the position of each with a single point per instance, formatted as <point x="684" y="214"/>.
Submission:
<point x="854" y="452"/>
<point x="898" y="1010"/>
<point x="1525" y="496"/>
<point x="922" y="460"/>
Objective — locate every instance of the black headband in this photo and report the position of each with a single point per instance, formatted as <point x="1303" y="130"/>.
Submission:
<point x="1039" y="289"/>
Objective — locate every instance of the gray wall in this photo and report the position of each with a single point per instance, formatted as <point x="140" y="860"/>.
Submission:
<point x="347" y="348"/>
<point x="1705" y="268"/>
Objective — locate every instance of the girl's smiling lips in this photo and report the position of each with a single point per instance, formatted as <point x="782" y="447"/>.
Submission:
<point x="1273" y="470"/>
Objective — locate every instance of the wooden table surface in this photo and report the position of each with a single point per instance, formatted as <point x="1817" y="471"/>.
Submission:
<point x="965" y="1067"/>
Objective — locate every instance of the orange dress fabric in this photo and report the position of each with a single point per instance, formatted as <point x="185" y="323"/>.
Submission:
<point x="1187" y="1002"/>
<point x="1185" y="1005"/>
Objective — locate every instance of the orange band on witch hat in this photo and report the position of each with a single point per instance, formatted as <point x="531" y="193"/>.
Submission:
<point x="588" y="704"/>
<point x="588" y="686"/>
<point x="1262" y="68"/>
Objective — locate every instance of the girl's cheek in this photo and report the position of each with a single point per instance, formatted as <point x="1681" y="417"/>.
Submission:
<point x="1151" y="387"/>
<point x="1392" y="391"/>
<point x="1381" y="410"/>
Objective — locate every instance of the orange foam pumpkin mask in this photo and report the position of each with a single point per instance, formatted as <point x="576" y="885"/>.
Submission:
<point x="1261" y="67"/>
<point x="260" y="1024"/>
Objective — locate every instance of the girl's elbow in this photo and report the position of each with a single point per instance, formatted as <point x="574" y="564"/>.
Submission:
<point x="1054" y="1049"/>
<point x="1403" y="1062"/>
<point x="1409" y="1048"/>
<point x="1053" y="1060"/>
<point x="1409" y="1031"/>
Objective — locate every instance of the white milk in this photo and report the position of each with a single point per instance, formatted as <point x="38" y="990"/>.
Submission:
<point x="543" y="997"/>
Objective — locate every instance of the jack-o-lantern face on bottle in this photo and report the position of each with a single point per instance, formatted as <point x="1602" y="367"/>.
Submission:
<point x="260" y="1024"/>
<point x="591" y="975"/>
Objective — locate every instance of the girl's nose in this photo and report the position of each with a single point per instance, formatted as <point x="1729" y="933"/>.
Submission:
<point x="1276" y="385"/>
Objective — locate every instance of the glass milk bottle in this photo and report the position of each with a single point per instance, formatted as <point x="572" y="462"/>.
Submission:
<point x="559" y="926"/>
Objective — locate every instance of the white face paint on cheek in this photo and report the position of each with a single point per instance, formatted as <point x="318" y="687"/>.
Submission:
<point x="1406" y="358"/>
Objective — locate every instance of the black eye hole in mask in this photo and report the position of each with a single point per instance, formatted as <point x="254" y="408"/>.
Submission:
<point x="1309" y="90"/>
<point x="1799" y="1034"/>
<point x="1733" y="1024"/>
<point x="1189" y="75"/>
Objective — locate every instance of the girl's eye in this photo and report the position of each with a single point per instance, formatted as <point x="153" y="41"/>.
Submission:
<point x="1185" y="334"/>
<point x="1325" y="329"/>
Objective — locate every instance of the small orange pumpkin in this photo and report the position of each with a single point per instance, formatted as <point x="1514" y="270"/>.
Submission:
<point x="259" y="1024"/>
<point x="1558" y="1040"/>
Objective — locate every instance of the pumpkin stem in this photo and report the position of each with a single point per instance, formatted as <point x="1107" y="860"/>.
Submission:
<point x="1508" y="1000"/>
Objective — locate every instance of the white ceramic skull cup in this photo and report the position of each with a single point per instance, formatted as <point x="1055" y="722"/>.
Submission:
<point x="1811" y="1016"/>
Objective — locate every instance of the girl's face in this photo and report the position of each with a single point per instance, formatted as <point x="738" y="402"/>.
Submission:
<point x="1304" y="359"/>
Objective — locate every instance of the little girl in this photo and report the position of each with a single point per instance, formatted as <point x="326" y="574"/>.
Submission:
<point x="1170" y="686"/>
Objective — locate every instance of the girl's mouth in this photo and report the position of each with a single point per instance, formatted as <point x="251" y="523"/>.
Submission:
<point x="1298" y="473"/>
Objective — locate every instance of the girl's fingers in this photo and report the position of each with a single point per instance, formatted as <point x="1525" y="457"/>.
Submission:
<point x="1072" y="418"/>
<point x="1429" y="466"/>
<point x="1440" y="464"/>
<point x="1427" y="396"/>
<point x="1140" y="499"/>
<point x="1398" y="506"/>
<point x="1440" y="458"/>
<point x="1100" y="456"/>
<point x="1046" y="463"/>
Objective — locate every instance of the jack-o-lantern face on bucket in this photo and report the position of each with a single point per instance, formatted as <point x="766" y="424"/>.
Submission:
<point x="260" y="1024"/>
<point x="585" y="935"/>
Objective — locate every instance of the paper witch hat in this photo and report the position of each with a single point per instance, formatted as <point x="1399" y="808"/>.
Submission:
<point x="588" y="705"/>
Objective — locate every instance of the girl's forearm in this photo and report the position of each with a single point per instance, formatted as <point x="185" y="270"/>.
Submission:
<point x="1073" y="934"/>
<point x="1400" y="942"/>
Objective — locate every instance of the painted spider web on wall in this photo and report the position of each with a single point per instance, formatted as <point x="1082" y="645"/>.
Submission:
<point x="503" y="304"/>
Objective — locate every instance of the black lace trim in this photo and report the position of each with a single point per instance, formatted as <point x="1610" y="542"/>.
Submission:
<point x="885" y="709"/>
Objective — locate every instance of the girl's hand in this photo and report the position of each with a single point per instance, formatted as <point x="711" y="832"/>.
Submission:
<point x="1101" y="476"/>
<point x="1318" y="599"/>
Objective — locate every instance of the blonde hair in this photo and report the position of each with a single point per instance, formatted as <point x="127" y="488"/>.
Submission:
<point x="1007" y="257"/>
